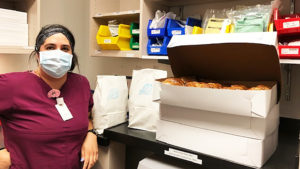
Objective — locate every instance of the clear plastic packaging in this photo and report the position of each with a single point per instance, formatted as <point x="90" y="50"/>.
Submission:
<point x="160" y="19"/>
<point x="215" y="21"/>
<point x="159" y="42"/>
<point x="113" y="26"/>
<point x="251" y="18"/>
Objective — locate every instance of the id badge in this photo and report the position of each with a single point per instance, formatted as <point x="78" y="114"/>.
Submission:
<point x="63" y="110"/>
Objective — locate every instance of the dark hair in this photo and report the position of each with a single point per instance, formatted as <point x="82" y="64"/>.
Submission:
<point x="50" y="30"/>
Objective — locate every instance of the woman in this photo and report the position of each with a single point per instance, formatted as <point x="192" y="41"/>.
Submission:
<point x="45" y="113"/>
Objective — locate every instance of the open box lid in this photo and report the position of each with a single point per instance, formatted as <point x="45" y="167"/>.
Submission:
<point x="233" y="57"/>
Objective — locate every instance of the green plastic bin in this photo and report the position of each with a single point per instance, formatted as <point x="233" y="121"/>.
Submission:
<point x="134" y="43"/>
<point x="134" y="29"/>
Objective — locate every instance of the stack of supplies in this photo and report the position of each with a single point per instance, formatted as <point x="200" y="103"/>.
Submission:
<point x="239" y="20"/>
<point x="288" y="29"/>
<point x="164" y="25"/>
<point x="158" y="39"/>
<point x="13" y="28"/>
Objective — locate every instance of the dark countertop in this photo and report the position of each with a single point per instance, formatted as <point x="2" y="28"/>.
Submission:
<point x="285" y="156"/>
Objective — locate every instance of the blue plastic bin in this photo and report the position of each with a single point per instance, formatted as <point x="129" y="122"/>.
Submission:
<point x="158" y="50"/>
<point x="174" y="28"/>
<point x="159" y="32"/>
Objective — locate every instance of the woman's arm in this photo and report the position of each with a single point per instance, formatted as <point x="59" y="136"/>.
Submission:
<point x="4" y="159"/>
<point x="89" y="150"/>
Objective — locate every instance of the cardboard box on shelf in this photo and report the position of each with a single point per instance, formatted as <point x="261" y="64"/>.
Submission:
<point x="12" y="16"/>
<point x="246" y="151"/>
<point x="250" y="57"/>
<point x="252" y="127"/>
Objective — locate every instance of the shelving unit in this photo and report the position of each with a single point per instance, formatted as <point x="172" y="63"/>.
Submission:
<point x="290" y="61"/>
<point x="102" y="11"/>
<point x="141" y="11"/>
<point x="181" y="8"/>
<point x="117" y="53"/>
<point x="155" y="57"/>
<point x="32" y="7"/>
<point x="120" y="15"/>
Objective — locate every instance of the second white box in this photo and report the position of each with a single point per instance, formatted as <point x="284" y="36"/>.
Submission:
<point x="252" y="127"/>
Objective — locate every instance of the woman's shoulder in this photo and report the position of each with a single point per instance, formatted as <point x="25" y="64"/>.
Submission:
<point x="78" y="77"/>
<point x="13" y="76"/>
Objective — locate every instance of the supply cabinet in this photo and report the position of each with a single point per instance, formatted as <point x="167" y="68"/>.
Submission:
<point x="102" y="11"/>
<point x="142" y="11"/>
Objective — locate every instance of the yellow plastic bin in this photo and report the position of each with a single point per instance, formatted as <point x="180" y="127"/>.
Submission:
<point x="120" y="42"/>
<point x="197" y="30"/>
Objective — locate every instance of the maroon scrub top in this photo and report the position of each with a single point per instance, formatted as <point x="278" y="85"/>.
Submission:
<point x="34" y="132"/>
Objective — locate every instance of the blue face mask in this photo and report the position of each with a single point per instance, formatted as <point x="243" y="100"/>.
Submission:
<point x="55" y="63"/>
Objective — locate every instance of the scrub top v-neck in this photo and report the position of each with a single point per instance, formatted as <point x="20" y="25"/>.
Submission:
<point x="35" y="134"/>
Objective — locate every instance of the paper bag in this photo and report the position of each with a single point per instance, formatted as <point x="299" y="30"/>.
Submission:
<point x="110" y="101"/>
<point x="143" y="112"/>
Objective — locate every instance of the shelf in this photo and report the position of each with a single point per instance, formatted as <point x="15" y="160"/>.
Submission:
<point x="16" y="49"/>
<point x="101" y="12"/>
<point x="185" y="2"/>
<point x="117" y="53"/>
<point x="282" y="61"/>
<point x="285" y="156"/>
<point x="32" y="8"/>
<point x="119" y="15"/>
<point x="290" y="61"/>
<point x="155" y="57"/>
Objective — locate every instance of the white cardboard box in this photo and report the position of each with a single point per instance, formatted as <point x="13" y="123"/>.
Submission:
<point x="242" y="150"/>
<point x="239" y="57"/>
<point x="239" y="102"/>
<point x="252" y="127"/>
<point x="12" y="16"/>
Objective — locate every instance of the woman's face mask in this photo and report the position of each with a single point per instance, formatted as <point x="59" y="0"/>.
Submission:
<point x="55" y="63"/>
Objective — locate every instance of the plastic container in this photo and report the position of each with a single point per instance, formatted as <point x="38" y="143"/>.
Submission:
<point x="134" y="43"/>
<point x="197" y="30"/>
<point x="134" y="29"/>
<point x="158" y="50"/>
<point x="290" y="25"/>
<point x="289" y="52"/>
<point x="159" y="32"/>
<point x="120" y="42"/>
<point x="174" y="27"/>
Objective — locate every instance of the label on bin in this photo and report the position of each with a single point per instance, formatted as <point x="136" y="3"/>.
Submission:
<point x="155" y="31"/>
<point x="135" y="46"/>
<point x="135" y="31"/>
<point x="130" y="55"/>
<point x="292" y="51"/>
<point x="176" y="32"/>
<point x="107" y="40"/>
<point x="183" y="155"/>
<point x="155" y="50"/>
<point x="292" y="24"/>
